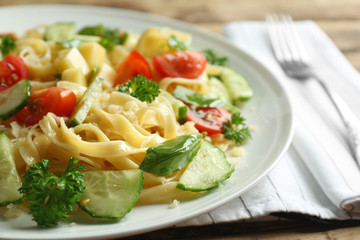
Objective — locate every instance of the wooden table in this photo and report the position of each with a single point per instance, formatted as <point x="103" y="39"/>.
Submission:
<point x="340" y="19"/>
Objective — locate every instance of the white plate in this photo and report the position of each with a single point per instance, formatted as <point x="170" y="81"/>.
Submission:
<point x="269" y="110"/>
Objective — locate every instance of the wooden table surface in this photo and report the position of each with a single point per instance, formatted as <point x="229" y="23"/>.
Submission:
<point x="340" y="19"/>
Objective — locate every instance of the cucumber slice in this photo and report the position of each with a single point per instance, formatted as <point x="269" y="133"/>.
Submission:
<point x="179" y="107"/>
<point x="60" y="31"/>
<point x="83" y="105"/>
<point x="180" y="110"/>
<point x="217" y="89"/>
<point x="13" y="99"/>
<point x="111" y="194"/>
<point x="207" y="170"/>
<point x="10" y="180"/>
<point x="237" y="85"/>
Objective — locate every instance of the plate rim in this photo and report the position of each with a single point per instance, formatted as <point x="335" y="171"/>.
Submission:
<point x="218" y="37"/>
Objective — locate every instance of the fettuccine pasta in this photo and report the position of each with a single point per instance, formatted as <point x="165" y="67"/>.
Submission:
<point x="118" y="128"/>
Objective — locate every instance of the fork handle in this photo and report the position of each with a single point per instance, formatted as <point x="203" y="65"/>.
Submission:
<point x="350" y="120"/>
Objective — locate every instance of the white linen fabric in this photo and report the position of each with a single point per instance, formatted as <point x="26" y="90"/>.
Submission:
<point x="318" y="176"/>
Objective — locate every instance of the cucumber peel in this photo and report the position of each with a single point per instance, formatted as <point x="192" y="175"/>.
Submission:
<point x="83" y="106"/>
<point x="13" y="99"/>
<point x="178" y="106"/>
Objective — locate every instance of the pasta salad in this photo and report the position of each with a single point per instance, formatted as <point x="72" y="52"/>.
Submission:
<point x="100" y="120"/>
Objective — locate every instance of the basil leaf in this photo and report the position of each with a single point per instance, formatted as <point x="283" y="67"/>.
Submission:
<point x="196" y="99"/>
<point x="172" y="155"/>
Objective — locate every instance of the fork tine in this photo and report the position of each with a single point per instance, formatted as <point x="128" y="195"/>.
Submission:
<point x="295" y="39"/>
<point x="276" y="37"/>
<point x="288" y="29"/>
<point x="285" y="39"/>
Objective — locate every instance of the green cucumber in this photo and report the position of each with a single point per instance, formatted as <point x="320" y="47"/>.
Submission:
<point x="82" y="107"/>
<point x="93" y="73"/>
<point x="179" y="107"/>
<point x="217" y="89"/>
<point x="13" y="99"/>
<point x="236" y="84"/>
<point x="61" y="31"/>
<point x="207" y="170"/>
<point x="10" y="180"/>
<point x="180" y="110"/>
<point x="111" y="194"/>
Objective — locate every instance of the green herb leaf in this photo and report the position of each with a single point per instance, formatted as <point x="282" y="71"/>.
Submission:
<point x="178" y="44"/>
<point x="236" y="129"/>
<point x="7" y="43"/>
<point x="143" y="89"/>
<point x="214" y="59"/>
<point x="172" y="155"/>
<point x="51" y="197"/>
<point x="109" y="37"/>
<point x="196" y="99"/>
<point x="93" y="30"/>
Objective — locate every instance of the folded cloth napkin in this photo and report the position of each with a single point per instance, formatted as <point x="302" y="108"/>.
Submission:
<point x="318" y="176"/>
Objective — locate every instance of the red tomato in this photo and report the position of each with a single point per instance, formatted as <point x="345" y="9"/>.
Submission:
<point x="208" y="119"/>
<point x="180" y="64"/>
<point x="133" y="65"/>
<point x="12" y="35"/>
<point x="12" y="70"/>
<point x="59" y="101"/>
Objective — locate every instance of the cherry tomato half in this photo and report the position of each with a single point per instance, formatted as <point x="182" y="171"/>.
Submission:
<point x="208" y="119"/>
<point x="11" y="34"/>
<point x="59" y="101"/>
<point x="180" y="64"/>
<point x="133" y="65"/>
<point x="12" y="70"/>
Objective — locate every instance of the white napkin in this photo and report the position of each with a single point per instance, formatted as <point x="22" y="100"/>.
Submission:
<point x="318" y="175"/>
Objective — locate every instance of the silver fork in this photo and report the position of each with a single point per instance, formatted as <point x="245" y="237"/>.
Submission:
<point x="293" y="58"/>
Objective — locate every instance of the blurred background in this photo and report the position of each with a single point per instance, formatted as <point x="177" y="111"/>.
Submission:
<point x="340" y="19"/>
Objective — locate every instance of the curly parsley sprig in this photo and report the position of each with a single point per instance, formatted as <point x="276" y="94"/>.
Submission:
<point x="51" y="197"/>
<point x="141" y="88"/>
<point x="236" y="129"/>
